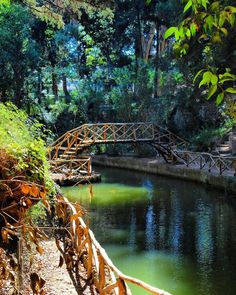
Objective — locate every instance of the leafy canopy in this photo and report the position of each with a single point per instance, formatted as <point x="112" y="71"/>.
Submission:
<point x="207" y="26"/>
<point x="53" y="11"/>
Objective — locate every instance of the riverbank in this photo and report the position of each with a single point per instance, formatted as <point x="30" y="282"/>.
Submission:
<point x="64" y="180"/>
<point x="159" y="167"/>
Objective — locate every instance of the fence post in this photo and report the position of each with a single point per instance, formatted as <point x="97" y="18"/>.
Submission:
<point x="200" y="162"/>
<point x="89" y="167"/>
<point x="187" y="158"/>
<point x="70" y="167"/>
<point x="105" y="133"/>
<point x="20" y="262"/>
<point x="220" y="167"/>
<point x="209" y="168"/>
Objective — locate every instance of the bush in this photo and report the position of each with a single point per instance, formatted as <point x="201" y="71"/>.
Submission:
<point x="22" y="139"/>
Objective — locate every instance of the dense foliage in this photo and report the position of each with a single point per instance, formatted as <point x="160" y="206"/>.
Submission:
<point x="86" y="61"/>
<point x="208" y="30"/>
<point x="21" y="140"/>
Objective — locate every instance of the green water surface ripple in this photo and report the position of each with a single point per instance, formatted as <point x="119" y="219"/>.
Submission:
<point x="176" y="235"/>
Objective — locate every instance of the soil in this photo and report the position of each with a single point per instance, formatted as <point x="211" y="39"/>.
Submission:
<point x="58" y="281"/>
<point x="46" y="266"/>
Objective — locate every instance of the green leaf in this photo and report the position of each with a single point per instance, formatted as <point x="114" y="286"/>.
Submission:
<point x="177" y="35"/>
<point x="216" y="38"/>
<point x="188" y="5"/>
<point x="222" y="18"/>
<point x="215" y="6"/>
<point x="203" y="37"/>
<point x="231" y="90"/>
<point x="203" y="81"/>
<point x="5" y="2"/>
<point x="232" y="9"/>
<point x="222" y="81"/>
<point x="220" y="98"/>
<point x="197" y="75"/>
<point x="214" y="79"/>
<point x="193" y="29"/>
<point x="148" y="2"/>
<point x="212" y="91"/>
<point x="204" y="3"/>
<point x="231" y="19"/>
<point x="225" y="31"/>
<point x="207" y="76"/>
<point x="188" y="34"/>
<point x="209" y="20"/>
<point x="170" y="32"/>
<point x="227" y="77"/>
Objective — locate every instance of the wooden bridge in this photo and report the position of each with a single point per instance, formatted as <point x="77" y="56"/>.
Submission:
<point x="67" y="156"/>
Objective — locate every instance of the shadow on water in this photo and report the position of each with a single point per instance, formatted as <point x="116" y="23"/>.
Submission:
<point x="176" y="235"/>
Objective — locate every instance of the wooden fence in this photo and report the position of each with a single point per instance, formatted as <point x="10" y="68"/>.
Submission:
<point x="73" y="142"/>
<point x="65" y="152"/>
<point x="70" y="167"/>
<point x="80" y="246"/>
<point x="211" y="163"/>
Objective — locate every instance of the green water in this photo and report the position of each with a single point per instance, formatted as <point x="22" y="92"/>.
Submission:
<point x="176" y="235"/>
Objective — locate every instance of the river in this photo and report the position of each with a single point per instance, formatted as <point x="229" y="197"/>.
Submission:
<point x="178" y="236"/>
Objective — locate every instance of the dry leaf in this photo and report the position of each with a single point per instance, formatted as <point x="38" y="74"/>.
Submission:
<point x="61" y="261"/>
<point x="40" y="249"/>
<point x="25" y="189"/>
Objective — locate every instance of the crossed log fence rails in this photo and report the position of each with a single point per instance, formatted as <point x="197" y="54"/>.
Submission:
<point x="69" y="167"/>
<point x="65" y="153"/>
<point x="74" y="142"/>
<point x="100" y="270"/>
<point x="211" y="163"/>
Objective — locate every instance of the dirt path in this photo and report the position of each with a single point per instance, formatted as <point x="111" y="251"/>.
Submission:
<point x="57" y="279"/>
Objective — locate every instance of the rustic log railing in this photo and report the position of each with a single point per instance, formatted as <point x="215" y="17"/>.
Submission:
<point x="207" y="161"/>
<point x="100" y="270"/>
<point x="74" y="142"/>
<point x="65" y="152"/>
<point x="72" y="166"/>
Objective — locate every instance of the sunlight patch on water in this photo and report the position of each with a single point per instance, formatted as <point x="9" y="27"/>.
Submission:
<point x="106" y="194"/>
<point x="158" y="268"/>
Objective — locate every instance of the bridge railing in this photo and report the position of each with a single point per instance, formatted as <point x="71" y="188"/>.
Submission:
<point x="163" y="136"/>
<point x="211" y="163"/>
<point x="117" y="132"/>
<point x="71" y="167"/>
<point x="113" y="133"/>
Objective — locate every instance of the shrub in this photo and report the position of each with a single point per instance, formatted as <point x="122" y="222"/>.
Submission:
<point x="22" y="139"/>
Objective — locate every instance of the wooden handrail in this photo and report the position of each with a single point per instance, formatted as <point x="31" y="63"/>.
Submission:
<point x="97" y="251"/>
<point x="168" y="143"/>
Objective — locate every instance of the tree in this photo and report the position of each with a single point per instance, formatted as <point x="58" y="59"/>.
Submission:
<point x="19" y="54"/>
<point x="55" y="12"/>
<point x="208" y="30"/>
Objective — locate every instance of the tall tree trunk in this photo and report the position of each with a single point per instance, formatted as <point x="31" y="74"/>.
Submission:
<point x="54" y="85"/>
<point x="39" y="86"/>
<point x="148" y="46"/>
<point x="65" y="89"/>
<point x="156" y="82"/>
<point x="18" y="88"/>
<point x="139" y="42"/>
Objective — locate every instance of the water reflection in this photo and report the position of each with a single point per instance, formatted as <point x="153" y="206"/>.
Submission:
<point x="151" y="219"/>
<point x="204" y="244"/>
<point x="161" y="221"/>
<point x="173" y="234"/>
<point x="132" y="232"/>
<point x="176" y="223"/>
<point x="151" y="228"/>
